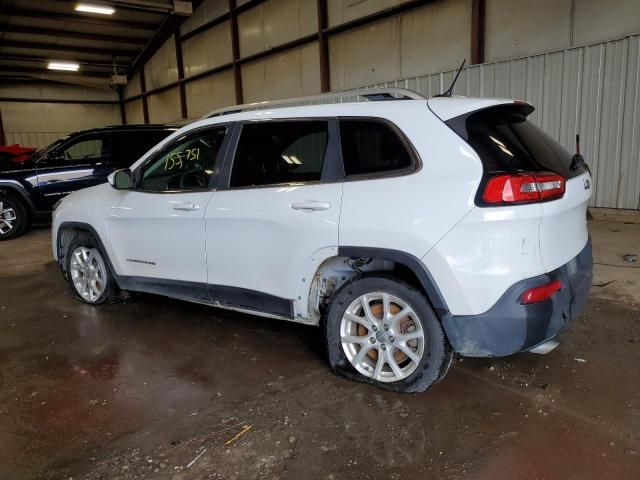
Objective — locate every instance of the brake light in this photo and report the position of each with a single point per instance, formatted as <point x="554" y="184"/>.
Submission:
<point x="543" y="292"/>
<point x="524" y="188"/>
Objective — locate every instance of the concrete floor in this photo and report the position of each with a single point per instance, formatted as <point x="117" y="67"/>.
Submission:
<point x="156" y="388"/>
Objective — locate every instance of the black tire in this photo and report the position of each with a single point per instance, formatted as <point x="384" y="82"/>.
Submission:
<point x="110" y="290"/>
<point x="437" y="354"/>
<point x="5" y="160"/>
<point x="10" y="203"/>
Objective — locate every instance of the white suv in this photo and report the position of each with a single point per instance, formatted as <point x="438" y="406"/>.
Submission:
<point x="407" y="229"/>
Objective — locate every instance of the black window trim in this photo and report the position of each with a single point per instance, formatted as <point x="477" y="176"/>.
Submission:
<point x="414" y="156"/>
<point x="100" y="161"/>
<point x="111" y="133"/>
<point x="331" y="168"/>
<point x="215" y="177"/>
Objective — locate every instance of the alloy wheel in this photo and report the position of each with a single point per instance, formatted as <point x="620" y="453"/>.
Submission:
<point x="88" y="273"/>
<point x="8" y="218"/>
<point x="382" y="337"/>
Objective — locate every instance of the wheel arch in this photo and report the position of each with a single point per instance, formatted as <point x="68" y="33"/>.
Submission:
<point x="405" y="265"/>
<point x="65" y="234"/>
<point x="15" y="188"/>
<point x="411" y="263"/>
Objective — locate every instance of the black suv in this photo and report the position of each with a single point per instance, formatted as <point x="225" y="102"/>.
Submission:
<point x="29" y="190"/>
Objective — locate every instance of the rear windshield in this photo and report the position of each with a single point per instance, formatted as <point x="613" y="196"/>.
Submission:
<point x="506" y="141"/>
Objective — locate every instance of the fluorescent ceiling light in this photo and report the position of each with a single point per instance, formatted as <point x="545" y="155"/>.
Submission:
<point x="88" y="8"/>
<point x="66" y="66"/>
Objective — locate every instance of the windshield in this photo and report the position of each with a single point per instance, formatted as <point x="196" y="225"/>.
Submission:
<point x="506" y="141"/>
<point x="36" y="157"/>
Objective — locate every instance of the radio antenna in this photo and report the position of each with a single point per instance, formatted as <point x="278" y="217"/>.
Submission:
<point x="453" y="84"/>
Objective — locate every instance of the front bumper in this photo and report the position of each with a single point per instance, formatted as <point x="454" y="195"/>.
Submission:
<point x="510" y="327"/>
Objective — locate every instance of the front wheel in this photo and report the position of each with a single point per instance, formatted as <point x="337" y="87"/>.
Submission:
<point x="383" y="331"/>
<point x="14" y="217"/>
<point x="87" y="271"/>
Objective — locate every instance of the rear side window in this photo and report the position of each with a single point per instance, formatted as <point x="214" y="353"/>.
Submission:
<point x="370" y="147"/>
<point x="270" y="153"/>
<point x="128" y="147"/>
<point x="506" y="141"/>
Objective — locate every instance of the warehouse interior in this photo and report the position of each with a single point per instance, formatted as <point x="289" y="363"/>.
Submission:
<point x="158" y="388"/>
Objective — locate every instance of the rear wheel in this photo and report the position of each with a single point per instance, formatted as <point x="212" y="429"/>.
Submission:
<point x="87" y="271"/>
<point x="14" y="217"/>
<point x="383" y="331"/>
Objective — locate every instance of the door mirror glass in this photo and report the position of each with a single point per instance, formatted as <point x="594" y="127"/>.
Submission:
<point x="121" y="179"/>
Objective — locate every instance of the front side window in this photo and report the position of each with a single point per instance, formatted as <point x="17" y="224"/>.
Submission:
<point x="85" y="149"/>
<point x="187" y="164"/>
<point x="370" y="147"/>
<point x="271" y="153"/>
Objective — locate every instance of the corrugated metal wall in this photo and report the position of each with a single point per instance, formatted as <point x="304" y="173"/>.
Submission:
<point x="592" y="90"/>
<point x="38" y="124"/>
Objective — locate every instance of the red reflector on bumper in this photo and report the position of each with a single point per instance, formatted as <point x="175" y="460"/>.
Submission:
<point x="543" y="292"/>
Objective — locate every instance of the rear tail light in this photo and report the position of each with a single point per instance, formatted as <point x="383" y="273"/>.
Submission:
<point x="543" y="292"/>
<point x="524" y="188"/>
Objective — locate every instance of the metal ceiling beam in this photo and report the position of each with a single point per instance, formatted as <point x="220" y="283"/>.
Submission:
<point x="7" y="28"/>
<point x="221" y="19"/>
<point x="182" y="88"/>
<point x="168" y="27"/>
<point x="235" y="49"/>
<point x="145" y="104"/>
<point x="36" y="59"/>
<point x="323" y="46"/>
<point x="9" y="69"/>
<point x="77" y="17"/>
<point x="478" y="8"/>
<point x="68" y="48"/>
<point x="55" y="100"/>
<point x="143" y="6"/>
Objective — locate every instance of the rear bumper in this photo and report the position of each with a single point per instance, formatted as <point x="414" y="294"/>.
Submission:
<point x="510" y="327"/>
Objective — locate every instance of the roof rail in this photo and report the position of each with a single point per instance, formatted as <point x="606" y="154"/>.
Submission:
<point x="344" y="96"/>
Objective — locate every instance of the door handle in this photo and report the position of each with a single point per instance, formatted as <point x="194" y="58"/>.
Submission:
<point x="186" y="206"/>
<point x="312" y="205"/>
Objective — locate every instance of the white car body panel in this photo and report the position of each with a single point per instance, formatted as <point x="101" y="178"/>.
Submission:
<point x="156" y="238"/>
<point x="90" y="206"/>
<point x="486" y="253"/>
<point x="412" y="212"/>
<point x="563" y="228"/>
<point x="257" y="240"/>
<point x="447" y="108"/>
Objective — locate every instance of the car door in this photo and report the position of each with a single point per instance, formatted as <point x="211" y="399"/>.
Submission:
<point x="275" y="214"/>
<point x="81" y="162"/>
<point x="157" y="229"/>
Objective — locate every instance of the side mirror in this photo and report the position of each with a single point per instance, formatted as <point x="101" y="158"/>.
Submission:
<point x="54" y="157"/>
<point x="121" y="179"/>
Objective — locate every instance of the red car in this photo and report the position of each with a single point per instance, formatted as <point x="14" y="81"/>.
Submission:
<point x="15" y="153"/>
